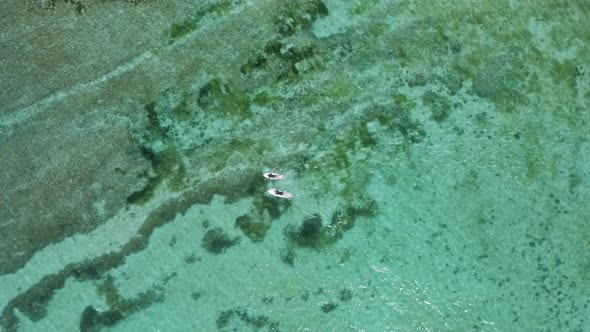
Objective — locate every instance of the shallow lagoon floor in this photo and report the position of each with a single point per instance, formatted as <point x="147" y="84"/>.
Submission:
<point x="438" y="155"/>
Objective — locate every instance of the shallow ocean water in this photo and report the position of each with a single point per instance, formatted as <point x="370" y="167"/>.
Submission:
<point x="438" y="154"/>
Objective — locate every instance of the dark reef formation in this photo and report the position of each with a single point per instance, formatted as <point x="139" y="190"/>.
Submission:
<point x="239" y="319"/>
<point x="32" y="302"/>
<point x="312" y="233"/>
<point x="217" y="241"/>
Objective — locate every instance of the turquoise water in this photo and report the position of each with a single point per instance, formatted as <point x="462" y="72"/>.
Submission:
<point x="438" y="155"/>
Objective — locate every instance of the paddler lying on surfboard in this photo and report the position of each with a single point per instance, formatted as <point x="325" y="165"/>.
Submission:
<point x="280" y="193"/>
<point x="272" y="175"/>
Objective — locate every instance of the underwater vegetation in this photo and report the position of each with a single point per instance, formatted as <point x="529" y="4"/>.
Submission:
<point x="79" y="7"/>
<point x="191" y="22"/>
<point x="255" y="230"/>
<point x="310" y="233"/>
<point x="439" y="105"/>
<point x="265" y="209"/>
<point x="313" y="233"/>
<point x="166" y="117"/>
<point x="94" y="320"/>
<point x="327" y="307"/>
<point x="218" y="96"/>
<point x="397" y="117"/>
<point x="505" y="73"/>
<point x="118" y="307"/>
<point x="292" y="52"/>
<point x="217" y="241"/>
<point x="299" y="15"/>
<point x="157" y="146"/>
<point x="256" y="223"/>
<point x="33" y="301"/>
<point x="230" y="318"/>
<point x="288" y="60"/>
<point x="345" y="295"/>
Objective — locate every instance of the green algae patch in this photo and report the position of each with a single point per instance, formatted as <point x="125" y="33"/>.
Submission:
<point x="155" y="141"/>
<point x="299" y="15"/>
<point x="412" y="130"/>
<point x="345" y="149"/>
<point x="345" y="295"/>
<point x="154" y="129"/>
<point x="292" y="51"/>
<point x="398" y="118"/>
<point x="287" y="256"/>
<point x="565" y="72"/>
<point x="362" y="7"/>
<point x="166" y="164"/>
<point x="289" y="60"/>
<point x="180" y="29"/>
<point x="499" y="78"/>
<point x="439" y="105"/>
<point x="191" y="22"/>
<point x="403" y="103"/>
<point x="341" y="88"/>
<point x="218" y="96"/>
<point x="146" y="192"/>
<point x="265" y="99"/>
<point x="258" y="62"/>
<point x="465" y="46"/>
<point x="182" y="111"/>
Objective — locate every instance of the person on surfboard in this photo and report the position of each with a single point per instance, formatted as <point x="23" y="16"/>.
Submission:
<point x="280" y="193"/>
<point x="272" y="175"/>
